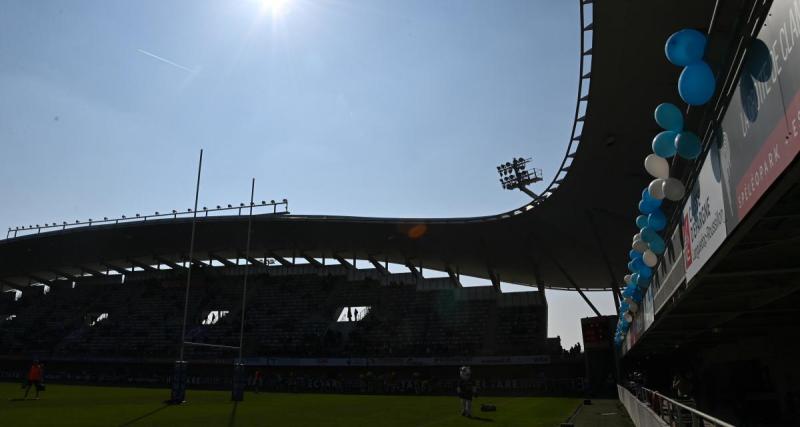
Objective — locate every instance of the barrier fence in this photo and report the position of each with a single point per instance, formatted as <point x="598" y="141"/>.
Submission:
<point x="651" y="408"/>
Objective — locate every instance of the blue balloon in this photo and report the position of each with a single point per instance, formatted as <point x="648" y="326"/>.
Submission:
<point x="632" y="267"/>
<point x="648" y="234"/>
<point x="696" y="84"/>
<point x="644" y="283"/>
<point x="656" y="220"/>
<point x="664" y="144"/>
<point x="638" y="265"/>
<point x="634" y="255"/>
<point x="645" y="272"/>
<point x="685" y="47"/>
<point x="641" y="221"/>
<point x="658" y="246"/>
<point x="649" y="199"/>
<point x="647" y="208"/>
<point x="688" y="145"/>
<point x="669" y="117"/>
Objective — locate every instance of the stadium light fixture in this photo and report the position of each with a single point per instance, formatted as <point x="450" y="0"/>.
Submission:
<point x="515" y="176"/>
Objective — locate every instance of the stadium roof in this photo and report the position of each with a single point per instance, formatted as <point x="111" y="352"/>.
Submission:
<point x="579" y="236"/>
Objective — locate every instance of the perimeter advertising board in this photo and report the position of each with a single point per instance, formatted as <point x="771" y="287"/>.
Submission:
<point x="704" y="216"/>
<point x="760" y="130"/>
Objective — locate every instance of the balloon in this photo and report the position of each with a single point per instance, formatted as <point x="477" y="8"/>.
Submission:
<point x="638" y="265"/>
<point x="642" y="283"/>
<point x="628" y="317"/>
<point x="685" y="47"/>
<point x="658" y="246"/>
<point x="758" y="61"/>
<point x="628" y="291"/>
<point x="627" y="279"/>
<point x="688" y="145"/>
<point x="648" y="234"/>
<point x="669" y="117"/>
<point x="664" y="144"/>
<point x="645" y="272"/>
<point x="650" y="259"/>
<point x="641" y="221"/>
<point x="628" y="300"/>
<point x="647" y="208"/>
<point x="697" y="84"/>
<point x="634" y="254"/>
<point x="656" y="166"/>
<point x="656" y="191"/>
<point x="632" y="267"/>
<point x="637" y="236"/>
<point x="639" y="245"/>
<point x="673" y="189"/>
<point x="657" y="221"/>
<point x="633" y="307"/>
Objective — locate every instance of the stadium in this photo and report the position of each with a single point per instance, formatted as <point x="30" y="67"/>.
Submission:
<point x="247" y="314"/>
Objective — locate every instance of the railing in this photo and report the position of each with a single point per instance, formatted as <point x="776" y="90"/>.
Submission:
<point x="36" y="229"/>
<point x="676" y="413"/>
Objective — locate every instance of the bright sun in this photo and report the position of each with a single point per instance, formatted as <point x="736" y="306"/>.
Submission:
<point x="274" y="7"/>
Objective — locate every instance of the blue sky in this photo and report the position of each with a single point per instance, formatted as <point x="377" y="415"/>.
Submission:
<point x="374" y="108"/>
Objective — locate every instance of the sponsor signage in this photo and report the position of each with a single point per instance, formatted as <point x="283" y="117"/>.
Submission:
<point x="761" y="130"/>
<point x="703" y="216"/>
<point x="401" y="361"/>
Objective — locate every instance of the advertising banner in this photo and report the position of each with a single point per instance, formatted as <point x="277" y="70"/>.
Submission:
<point x="704" y="216"/>
<point x="759" y="137"/>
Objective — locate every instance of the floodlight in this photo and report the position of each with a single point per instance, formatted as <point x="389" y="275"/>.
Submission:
<point x="272" y="202"/>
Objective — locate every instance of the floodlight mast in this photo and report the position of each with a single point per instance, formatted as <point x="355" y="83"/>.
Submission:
<point x="515" y="176"/>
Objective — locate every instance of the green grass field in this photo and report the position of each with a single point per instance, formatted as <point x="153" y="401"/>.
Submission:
<point x="63" y="405"/>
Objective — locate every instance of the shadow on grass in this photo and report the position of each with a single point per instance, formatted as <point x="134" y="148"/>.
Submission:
<point x="486" y="420"/>
<point x="139" y="418"/>
<point x="232" y="418"/>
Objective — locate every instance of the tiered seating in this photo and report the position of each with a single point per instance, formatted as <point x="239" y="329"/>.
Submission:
<point x="286" y="315"/>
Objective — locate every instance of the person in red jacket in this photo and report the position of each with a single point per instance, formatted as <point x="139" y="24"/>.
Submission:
<point x="35" y="376"/>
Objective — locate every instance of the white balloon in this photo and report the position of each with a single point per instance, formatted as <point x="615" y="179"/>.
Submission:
<point x="673" y="189"/>
<point x="656" y="189"/>
<point x="628" y="317"/>
<point x="650" y="258"/>
<point x="629" y="300"/>
<point x="633" y="307"/>
<point x="639" y="245"/>
<point x="656" y="166"/>
<point x="627" y="279"/>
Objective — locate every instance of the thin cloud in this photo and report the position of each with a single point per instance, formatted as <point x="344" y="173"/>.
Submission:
<point x="166" y="61"/>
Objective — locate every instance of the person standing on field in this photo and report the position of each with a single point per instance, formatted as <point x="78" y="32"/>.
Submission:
<point x="35" y="376"/>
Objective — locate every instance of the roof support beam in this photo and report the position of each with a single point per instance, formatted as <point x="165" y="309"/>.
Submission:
<point x="63" y="274"/>
<point x="142" y="265"/>
<point x="93" y="272"/>
<point x="383" y="270"/>
<point x="575" y="285"/>
<point x="119" y="270"/>
<point x="250" y="259"/>
<point x="601" y="249"/>
<point x="311" y="260"/>
<point x="454" y="277"/>
<point x="495" y="281"/>
<point x="169" y="263"/>
<point x="343" y="261"/>
<point x="281" y="260"/>
<point x="224" y="261"/>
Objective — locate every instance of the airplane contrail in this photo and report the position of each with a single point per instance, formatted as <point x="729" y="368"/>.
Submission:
<point x="166" y="61"/>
